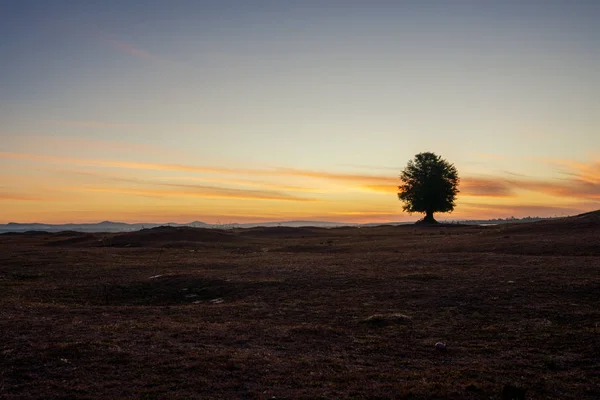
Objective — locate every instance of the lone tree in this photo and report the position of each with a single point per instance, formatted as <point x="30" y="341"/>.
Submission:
<point x="429" y="184"/>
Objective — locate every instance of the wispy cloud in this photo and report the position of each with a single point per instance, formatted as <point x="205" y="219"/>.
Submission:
<point x="381" y="188"/>
<point x="360" y="179"/>
<point x="125" y="47"/>
<point x="134" y="50"/>
<point x="469" y="186"/>
<point x="356" y="178"/>
<point x="575" y="187"/>
<point x="485" y="187"/>
<point x="114" y="164"/>
<point x="131" y="49"/>
<point x="96" y="33"/>
<point x="505" y="172"/>
<point x="240" y="182"/>
<point x="582" y="180"/>
<point x="234" y="193"/>
<point x="99" y="182"/>
<point x="205" y="192"/>
<point x="589" y="172"/>
<point x="186" y="181"/>
<point x="4" y="196"/>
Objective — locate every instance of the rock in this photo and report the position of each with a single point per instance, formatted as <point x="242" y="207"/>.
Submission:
<point x="386" y="319"/>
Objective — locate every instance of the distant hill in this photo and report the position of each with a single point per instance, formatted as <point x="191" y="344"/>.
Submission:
<point x="499" y="221"/>
<point x="109" y="226"/>
<point x="105" y="226"/>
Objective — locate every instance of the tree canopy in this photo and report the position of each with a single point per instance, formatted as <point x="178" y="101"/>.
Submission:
<point x="429" y="184"/>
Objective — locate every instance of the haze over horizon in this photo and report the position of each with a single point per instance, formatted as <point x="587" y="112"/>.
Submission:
<point x="233" y="111"/>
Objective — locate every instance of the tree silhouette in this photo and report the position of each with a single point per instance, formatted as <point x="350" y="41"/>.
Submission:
<point x="429" y="184"/>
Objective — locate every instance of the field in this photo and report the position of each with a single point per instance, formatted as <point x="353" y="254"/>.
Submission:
<point x="308" y="313"/>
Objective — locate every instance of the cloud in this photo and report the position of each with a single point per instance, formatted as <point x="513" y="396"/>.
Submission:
<point x="363" y="180"/>
<point x="131" y="49"/>
<point x="575" y="187"/>
<point x="582" y="182"/>
<point x="582" y="179"/>
<point x="381" y="188"/>
<point x="187" y="181"/>
<point x="239" y="193"/>
<point x="588" y="172"/>
<point x="514" y="174"/>
<point x="18" y="197"/>
<point x="148" y="188"/>
<point x="469" y="186"/>
<point x="355" y="178"/>
<point x="114" y="164"/>
<point x="206" y="192"/>
<point x="485" y="187"/>
<point x="240" y="182"/>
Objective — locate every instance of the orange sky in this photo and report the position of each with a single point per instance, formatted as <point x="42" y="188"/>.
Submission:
<point x="57" y="189"/>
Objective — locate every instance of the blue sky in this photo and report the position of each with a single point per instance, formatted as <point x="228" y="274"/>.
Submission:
<point x="344" y="93"/>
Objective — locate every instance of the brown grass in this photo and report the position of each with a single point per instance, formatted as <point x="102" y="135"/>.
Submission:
<point x="313" y="313"/>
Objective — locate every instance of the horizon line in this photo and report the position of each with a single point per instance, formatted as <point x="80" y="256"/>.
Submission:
<point x="281" y="221"/>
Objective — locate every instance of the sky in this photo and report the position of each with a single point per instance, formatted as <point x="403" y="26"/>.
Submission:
<point x="246" y="111"/>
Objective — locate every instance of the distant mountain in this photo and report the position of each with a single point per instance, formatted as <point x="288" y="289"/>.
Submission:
<point x="109" y="226"/>
<point x="104" y="226"/>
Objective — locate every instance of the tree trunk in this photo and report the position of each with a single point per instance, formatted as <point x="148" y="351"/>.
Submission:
<point x="429" y="218"/>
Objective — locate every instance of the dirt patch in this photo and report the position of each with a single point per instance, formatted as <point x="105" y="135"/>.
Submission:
<point x="283" y="231"/>
<point x="170" y="237"/>
<point x="77" y="239"/>
<point x="158" y="290"/>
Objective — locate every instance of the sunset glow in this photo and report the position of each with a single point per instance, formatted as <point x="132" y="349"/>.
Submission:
<point x="223" y="112"/>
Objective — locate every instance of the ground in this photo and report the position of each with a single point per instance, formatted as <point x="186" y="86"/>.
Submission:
<point x="308" y="313"/>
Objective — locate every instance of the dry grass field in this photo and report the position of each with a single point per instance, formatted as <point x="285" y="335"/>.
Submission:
<point x="272" y="313"/>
